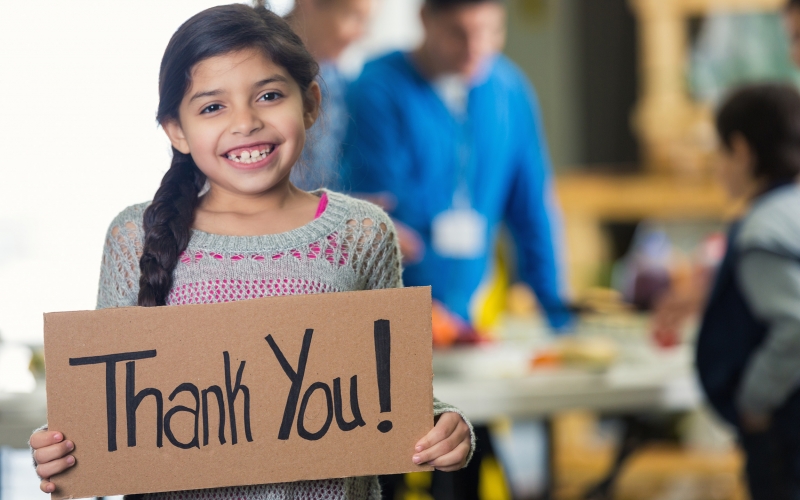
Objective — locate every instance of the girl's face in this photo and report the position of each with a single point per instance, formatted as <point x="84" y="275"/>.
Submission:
<point x="735" y="166"/>
<point x="243" y="120"/>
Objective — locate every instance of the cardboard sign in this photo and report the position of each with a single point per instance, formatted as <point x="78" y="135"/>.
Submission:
<point x="258" y="391"/>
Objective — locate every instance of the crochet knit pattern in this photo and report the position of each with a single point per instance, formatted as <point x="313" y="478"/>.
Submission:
<point x="351" y="246"/>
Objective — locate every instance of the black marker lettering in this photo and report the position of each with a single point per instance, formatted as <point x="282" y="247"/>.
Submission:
<point x="132" y="402"/>
<point x="301" y="429"/>
<point x="221" y="402"/>
<point x="232" y="393"/>
<point x="296" y="377"/>
<point x="195" y="442"/>
<point x="111" y="361"/>
<point x="337" y="405"/>
<point x="383" y="364"/>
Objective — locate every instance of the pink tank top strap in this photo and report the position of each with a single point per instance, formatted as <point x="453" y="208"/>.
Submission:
<point x="323" y="204"/>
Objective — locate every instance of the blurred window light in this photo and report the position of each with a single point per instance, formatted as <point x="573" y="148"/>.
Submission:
<point x="15" y="377"/>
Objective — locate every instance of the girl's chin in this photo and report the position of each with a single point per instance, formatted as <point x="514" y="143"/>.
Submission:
<point x="255" y="186"/>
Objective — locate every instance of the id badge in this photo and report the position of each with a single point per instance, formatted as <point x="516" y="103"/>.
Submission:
<point x="459" y="234"/>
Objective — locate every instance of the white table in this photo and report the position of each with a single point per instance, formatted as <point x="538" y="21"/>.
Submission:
<point x="643" y="379"/>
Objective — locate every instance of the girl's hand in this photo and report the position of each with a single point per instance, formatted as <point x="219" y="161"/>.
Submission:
<point x="51" y="454"/>
<point x="447" y="445"/>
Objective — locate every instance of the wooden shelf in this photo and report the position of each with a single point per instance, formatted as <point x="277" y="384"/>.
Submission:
<point x="637" y="197"/>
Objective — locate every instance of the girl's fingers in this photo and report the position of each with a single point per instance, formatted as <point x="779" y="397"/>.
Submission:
<point x="50" y="469"/>
<point x="444" y="427"/>
<point x="460" y="434"/>
<point x="46" y="486"/>
<point x="45" y="438"/>
<point x="454" y="460"/>
<point x="53" y="452"/>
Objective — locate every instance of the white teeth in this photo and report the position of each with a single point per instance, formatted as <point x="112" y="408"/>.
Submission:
<point x="251" y="156"/>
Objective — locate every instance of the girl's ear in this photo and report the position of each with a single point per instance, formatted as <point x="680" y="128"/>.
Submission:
<point x="313" y="102"/>
<point x="176" y="136"/>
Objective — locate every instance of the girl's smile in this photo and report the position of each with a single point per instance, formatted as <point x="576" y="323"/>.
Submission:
<point x="251" y="156"/>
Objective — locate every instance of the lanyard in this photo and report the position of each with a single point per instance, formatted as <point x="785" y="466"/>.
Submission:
<point x="465" y="162"/>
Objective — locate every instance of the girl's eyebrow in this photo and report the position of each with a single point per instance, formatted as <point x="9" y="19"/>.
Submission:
<point x="274" y="78"/>
<point x="208" y="93"/>
<point x="260" y="83"/>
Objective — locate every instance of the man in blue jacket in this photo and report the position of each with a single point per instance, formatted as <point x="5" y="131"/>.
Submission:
<point x="450" y="138"/>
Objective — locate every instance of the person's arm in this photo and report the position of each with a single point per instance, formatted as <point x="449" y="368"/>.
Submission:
<point x="119" y="269"/>
<point x="376" y="161"/>
<point x="533" y="216"/>
<point x="771" y="286"/>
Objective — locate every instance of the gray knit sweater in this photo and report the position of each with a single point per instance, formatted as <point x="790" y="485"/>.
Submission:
<point x="351" y="246"/>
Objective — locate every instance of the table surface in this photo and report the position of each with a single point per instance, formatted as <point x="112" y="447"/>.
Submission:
<point x="495" y="380"/>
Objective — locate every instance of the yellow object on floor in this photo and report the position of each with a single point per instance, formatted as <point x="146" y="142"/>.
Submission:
<point x="419" y="486"/>
<point x="492" y="484"/>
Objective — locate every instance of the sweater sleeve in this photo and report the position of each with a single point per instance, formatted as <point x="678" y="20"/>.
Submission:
<point x="119" y="269"/>
<point x="376" y="252"/>
<point x="771" y="285"/>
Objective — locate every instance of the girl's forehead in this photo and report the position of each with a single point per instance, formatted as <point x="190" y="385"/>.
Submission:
<point x="224" y="64"/>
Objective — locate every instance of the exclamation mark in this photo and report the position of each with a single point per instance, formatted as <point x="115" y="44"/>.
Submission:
<point x="383" y="355"/>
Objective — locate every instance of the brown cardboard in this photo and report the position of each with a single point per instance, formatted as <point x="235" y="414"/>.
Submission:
<point x="188" y="343"/>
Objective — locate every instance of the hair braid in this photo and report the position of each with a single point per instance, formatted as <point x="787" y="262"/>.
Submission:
<point x="167" y="228"/>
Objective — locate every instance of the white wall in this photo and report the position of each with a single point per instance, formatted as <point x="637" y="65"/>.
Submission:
<point x="79" y="141"/>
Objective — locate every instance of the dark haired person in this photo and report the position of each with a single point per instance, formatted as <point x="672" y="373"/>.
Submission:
<point x="450" y="138"/>
<point x="748" y="352"/>
<point x="327" y="28"/>
<point x="237" y="92"/>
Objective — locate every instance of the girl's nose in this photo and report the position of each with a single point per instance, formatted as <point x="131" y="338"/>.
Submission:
<point x="246" y="122"/>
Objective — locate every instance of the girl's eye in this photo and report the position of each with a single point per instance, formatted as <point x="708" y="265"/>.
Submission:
<point x="270" y="96"/>
<point x="211" y="109"/>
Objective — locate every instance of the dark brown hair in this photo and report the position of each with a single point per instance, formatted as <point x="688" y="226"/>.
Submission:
<point x="213" y="32"/>
<point x="768" y="117"/>
<point x="793" y="4"/>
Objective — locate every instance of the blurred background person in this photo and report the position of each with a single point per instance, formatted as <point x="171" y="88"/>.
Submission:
<point x="449" y="139"/>
<point x="793" y="28"/>
<point x="327" y="28"/>
<point x="748" y="352"/>
<point x="727" y="55"/>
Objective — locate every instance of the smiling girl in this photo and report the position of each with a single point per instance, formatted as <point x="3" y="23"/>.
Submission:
<point x="237" y="94"/>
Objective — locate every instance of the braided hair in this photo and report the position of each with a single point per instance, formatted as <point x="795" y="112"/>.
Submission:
<point x="215" y="31"/>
